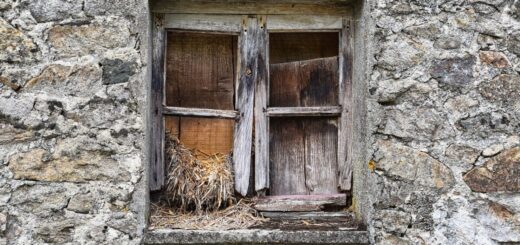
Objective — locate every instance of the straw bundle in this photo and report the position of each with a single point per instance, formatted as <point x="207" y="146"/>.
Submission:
<point x="238" y="216"/>
<point x="198" y="181"/>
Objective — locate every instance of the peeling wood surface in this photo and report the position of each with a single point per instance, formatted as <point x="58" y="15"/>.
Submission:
<point x="157" y="173"/>
<point x="261" y="120"/>
<point x="200" y="22"/>
<point x="317" y="215"/>
<point x="304" y="111"/>
<point x="253" y="7"/>
<point x="300" y="46"/>
<point x="300" y="203"/>
<point x="345" y="130"/>
<point x="294" y="23"/>
<point x="197" y="112"/>
<point x="248" y="46"/>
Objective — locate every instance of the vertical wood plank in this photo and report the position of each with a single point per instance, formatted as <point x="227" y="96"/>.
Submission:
<point x="345" y="94"/>
<point x="287" y="156"/>
<point x="261" y="120"/>
<point x="321" y="165"/>
<point x="242" y="143"/>
<point x="157" y="173"/>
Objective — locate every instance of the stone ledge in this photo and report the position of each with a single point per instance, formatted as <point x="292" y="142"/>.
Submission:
<point x="255" y="236"/>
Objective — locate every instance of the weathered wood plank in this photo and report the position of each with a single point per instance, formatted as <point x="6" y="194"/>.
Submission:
<point x="198" y="112"/>
<point x="261" y="120"/>
<point x="157" y="173"/>
<point x="242" y="144"/>
<point x="253" y="7"/>
<point x="287" y="157"/>
<point x="305" y="83"/>
<point x="304" y="111"/>
<point x="299" y="203"/>
<point x="345" y="129"/>
<point x="300" y="46"/>
<point x="304" y="23"/>
<point x="321" y="165"/>
<point x="320" y="215"/>
<point x="200" y="22"/>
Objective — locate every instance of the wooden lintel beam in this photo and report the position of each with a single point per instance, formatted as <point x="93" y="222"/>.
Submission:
<point x="197" y="112"/>
<point x="304" y="111"/>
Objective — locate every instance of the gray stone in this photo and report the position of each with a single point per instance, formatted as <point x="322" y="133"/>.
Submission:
<point x="394" y="221"/>
<point x="495" y="59"/>
<point x="3" y="222"/>
<point x="455" y="72"/>
<point x="513" y="43"/>
<point x="14" y="45"/>
<point x="485" y="124"/>
<point x="42" y="200"/>
<point x="484" y="8"/>
<point x="504" y="90"/>
<point x="447" y="43"/>
<point x="492" y="150"/>
<point x="411" y="165"/>
<point x="418" y="124"/>
<point x="80" y="80"/>
<point x="81" y="203"/>
<point x="117" y="71"/>
<point x="400" y="54"/>
<point x="74" y="41"/>
<point x="498" y="174"/>
<point x="38" y="164"/>
<point x="54" y="10"/>
<point x="390" y="90"/>
<point x="107" y="7"/>
<point x="462" y="154"/>
<point x="255" y="236"/>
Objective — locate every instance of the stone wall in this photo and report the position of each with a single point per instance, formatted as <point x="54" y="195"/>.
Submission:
<point x="72" y="118"/>
<point x="441" y="80"/>
<point x="444" y="113"/>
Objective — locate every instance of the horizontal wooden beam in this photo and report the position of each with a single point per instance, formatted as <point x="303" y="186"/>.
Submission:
<point x="200" y="22"/>
<point x="300" y="203"/>
<point x="253" y="7"/>
<point x="304" y="23"/>
<point x="308" y="215"/>
<point x="196" y="112"/>
<point x="304" y="111"/>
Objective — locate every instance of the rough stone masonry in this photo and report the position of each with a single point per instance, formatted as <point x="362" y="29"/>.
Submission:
<point x="443" y="121"/>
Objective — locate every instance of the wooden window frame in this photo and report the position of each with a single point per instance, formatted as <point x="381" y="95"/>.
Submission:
<point x="252" y="86"/>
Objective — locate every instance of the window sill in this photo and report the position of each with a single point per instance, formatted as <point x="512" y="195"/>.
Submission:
<point x="255" y="236"/>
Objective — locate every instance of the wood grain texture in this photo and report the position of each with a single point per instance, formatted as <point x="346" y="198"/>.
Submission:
<point x="253" y="7"/>
<point x="319" y="215"/>
<point x="304" y="111"/>
<point x="299" y="203"/>
<point x="248" y="46"/>
<point x="300" y="46"/>
<point x="321" y="165"/>
<point x="287" y="157"/>
<point x="157" y="166"/>
<point x="345" y="129"/>
<point x="261" y="120"/>
<point x="200" y="75"/>
<point x="204" y="22"/>
<point x="198" y="112"/>
<point x="304" y="83"/>
<point x="294" y="23"/>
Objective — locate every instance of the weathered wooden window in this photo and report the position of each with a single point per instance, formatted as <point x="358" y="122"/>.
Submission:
<point x="275" y="85"/>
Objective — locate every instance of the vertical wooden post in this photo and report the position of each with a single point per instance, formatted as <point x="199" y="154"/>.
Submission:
<point x="242" y="144"/>
<point x="261" y="120"/>
<point x="157" y="166"/>
<point x="345" y="95"/>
